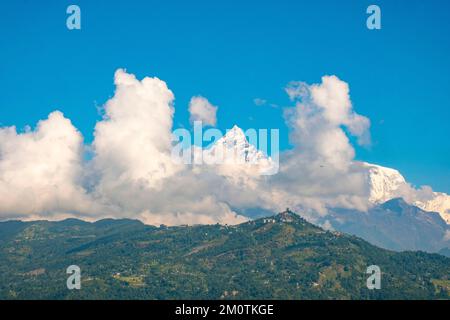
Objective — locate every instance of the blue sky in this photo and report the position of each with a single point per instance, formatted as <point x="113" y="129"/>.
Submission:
<point x="233" y="52"/>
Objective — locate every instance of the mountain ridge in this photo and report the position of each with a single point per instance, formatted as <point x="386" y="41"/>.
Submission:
<point x="394" y="225"/>
<point x="277" y="257"/>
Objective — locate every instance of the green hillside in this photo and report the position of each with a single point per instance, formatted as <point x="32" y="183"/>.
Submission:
<point x="282" y="257"/>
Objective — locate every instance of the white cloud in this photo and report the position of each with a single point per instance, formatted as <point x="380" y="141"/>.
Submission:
<point x="41" y="170"/>
<point x="263" y="102"/>
<point x="131" y="173"/>
<point x="133" y="142"/>
<point x="201" y="109"/>
<point x="316" y="122"/>
<point x="329" y="105"/>
<point x="136" y="174"/>
<point x="320" y="171"/>
<point x="259" y="102"/>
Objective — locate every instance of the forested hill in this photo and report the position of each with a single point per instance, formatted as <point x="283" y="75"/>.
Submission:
<point x="280" y="257"/>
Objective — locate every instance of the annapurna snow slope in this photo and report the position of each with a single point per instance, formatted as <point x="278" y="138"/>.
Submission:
<point x="386" y="184"/>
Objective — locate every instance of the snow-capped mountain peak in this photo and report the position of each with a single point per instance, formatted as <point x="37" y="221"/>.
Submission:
<point x="385" y="184"/>
<point x="439" y="203"/>
<point x="234" y="148"/>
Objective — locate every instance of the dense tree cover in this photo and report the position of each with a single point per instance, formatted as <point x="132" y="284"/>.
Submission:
<point x="286" y="258"/>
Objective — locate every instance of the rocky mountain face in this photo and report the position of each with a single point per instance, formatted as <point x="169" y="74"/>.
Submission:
<point x="394" y="225"/>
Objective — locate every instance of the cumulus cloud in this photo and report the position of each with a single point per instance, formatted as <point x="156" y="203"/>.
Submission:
<point x="131" y="173"/>
<point x="329" y="104"/>
<point x="132" y="158"/>
<point x="133" y="141"/>
<point x="411" y="194"/>
<point x="201" y="109"/>
<point x="43" y="174"/>
<point x="41" y="171"/>
<point x="320" y="171"/>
